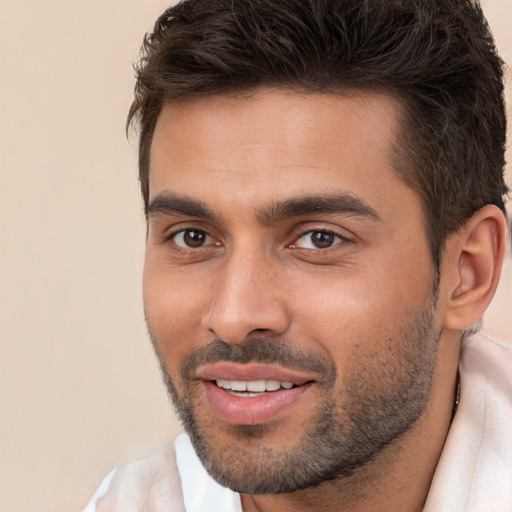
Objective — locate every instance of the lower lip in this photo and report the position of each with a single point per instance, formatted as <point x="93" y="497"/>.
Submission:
<point x="252" y="410"/>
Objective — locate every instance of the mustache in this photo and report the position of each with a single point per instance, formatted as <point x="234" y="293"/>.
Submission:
<point x="257" y="350"/>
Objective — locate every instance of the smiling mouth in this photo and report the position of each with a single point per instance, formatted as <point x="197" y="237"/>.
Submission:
<point x="252" y="395"/>
<point x="253" y="388"/>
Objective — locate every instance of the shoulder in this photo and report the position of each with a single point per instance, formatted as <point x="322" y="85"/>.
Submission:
<point x="487" y="354"/>
<point x="150" y="484"/>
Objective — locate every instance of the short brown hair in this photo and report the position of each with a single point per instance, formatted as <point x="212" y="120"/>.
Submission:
<point x="436" y="56"/>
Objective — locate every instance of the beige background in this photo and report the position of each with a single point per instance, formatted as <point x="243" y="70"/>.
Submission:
<point x="79" y="387"/>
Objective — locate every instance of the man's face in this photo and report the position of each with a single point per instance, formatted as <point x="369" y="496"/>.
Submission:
<point x="288" y="284"/>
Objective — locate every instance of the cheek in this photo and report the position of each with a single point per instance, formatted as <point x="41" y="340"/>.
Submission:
<point x="174" y="304"/>
<point x="358" y="313"/>
<point x="342" y="323"/>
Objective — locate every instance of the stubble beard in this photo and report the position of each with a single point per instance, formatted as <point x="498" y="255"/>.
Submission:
<point x="352" y="422"/>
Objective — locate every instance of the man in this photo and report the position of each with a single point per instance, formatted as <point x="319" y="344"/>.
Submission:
<point x="323" y="185"/>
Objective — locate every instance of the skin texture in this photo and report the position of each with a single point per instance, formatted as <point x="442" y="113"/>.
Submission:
<point x="365" y="306"/>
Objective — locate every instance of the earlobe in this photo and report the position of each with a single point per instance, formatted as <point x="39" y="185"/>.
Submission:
<point x="472" y="266"/>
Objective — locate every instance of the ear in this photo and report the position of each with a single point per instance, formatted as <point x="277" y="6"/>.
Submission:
<point x="471" y="267"/>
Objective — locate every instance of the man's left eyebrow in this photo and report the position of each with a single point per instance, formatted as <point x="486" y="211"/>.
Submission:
<point x="344" y="203"/>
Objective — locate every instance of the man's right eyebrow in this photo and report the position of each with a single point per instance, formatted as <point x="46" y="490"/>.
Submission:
<point x="167" y="203"/>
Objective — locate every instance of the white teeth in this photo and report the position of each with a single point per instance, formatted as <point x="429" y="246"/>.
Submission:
<point x="224" y="384"/>
<point x="238" y="385"/>
<point x="253" y="386"/>
<point x="256" y="386"/>
<point x="272" y="385"/>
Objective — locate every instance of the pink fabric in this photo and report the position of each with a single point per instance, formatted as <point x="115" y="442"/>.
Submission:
<point x="474" y="473"/>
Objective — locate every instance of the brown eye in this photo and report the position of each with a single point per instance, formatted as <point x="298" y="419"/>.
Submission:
<point x="318" y="240"/>
<point x="192" y="239"/>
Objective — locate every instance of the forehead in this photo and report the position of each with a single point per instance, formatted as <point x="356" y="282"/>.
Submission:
<point x="277" y="143"/>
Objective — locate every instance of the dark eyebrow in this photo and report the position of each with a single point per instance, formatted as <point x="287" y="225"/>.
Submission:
<point x="168" y="203"/>
<point x="344" y="203"/>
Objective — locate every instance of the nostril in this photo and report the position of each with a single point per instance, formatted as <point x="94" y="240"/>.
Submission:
<point x="259" y="331"/>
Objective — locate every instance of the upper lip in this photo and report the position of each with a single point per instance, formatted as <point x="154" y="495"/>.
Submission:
<point x="252" y="372"/>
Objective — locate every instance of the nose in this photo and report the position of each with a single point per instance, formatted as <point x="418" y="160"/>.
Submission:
<point x="247" y="299"/>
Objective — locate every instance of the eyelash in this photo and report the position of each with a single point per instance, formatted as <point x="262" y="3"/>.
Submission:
<point x="341" y="239"/>
<point x="172" y="238"/>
